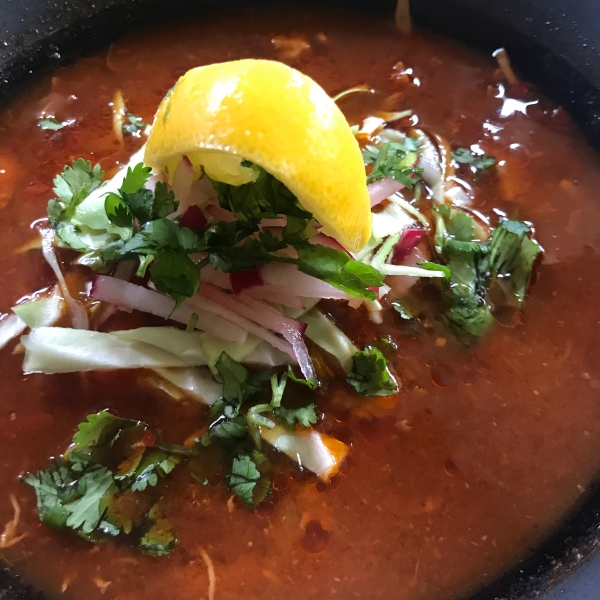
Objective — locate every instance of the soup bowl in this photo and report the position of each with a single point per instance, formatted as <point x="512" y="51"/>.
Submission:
<point x="553" y="43"/>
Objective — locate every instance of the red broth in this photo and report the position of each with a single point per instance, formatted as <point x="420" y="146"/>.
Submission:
<point x="480" y="456"/>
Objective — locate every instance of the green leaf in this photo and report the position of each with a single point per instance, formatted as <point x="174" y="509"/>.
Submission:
<point x="51" y="123"/>
<point x="228" y="429"/>
<point x="158" y="539"/>
<point x="250" y="478"/>
<point x="134" y="124"/>
<point x="76" y="182"/>
<point x="394" y="160"/>
<point x="302" y="415"/>
<point x="135" y="178"/>
<point x="176" y="274"/>
<point x="338" y="269"/>
<point x="510" y="260"/>
<point x="370" y="375"/>
<point x="71" y="495"/>
<point x="154" y="464"/>
<point x="478" y="161"/>
<point x="117" y="211"/>
<point x="431" y="266"/>
<point x="237" y="385"/>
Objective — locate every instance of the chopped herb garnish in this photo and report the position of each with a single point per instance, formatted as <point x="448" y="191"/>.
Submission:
<point x="133" y="124"/>
<point x="370" y="375"/>
<point x="88" y="490"/>
<point x="394" y="160"/>
<point x="52" y="123"/>
<point x="478" y="161"/>
<point x="251" y="478"/>
<point x="302" y="415"/>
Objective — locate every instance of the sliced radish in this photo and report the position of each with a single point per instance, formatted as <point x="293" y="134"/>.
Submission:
<point x="409" y="240"/>
<point x="193" y="218"/>
<point x="243" y="280"/>
<point x="220" y="214"/>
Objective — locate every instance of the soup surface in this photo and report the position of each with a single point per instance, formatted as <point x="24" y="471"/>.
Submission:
<point x="448" y="483"/>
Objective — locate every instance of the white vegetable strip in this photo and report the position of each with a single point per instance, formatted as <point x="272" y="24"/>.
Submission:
<point x="228" y="312"/>
<point x="64" y="350"/>
<point x="286" y="279"/>
<point x="221" y="299"/>
<point x="289" y="301"/>
<point x="196" y="382"/>
<point x="317" y="452"/>
<point x="40" y="312"/>
<point x="410" y="271"/>
<point x="10" y="327"/>
<point x="323" y="332"/>
<point x="211" y="275"/>
<point x="78" y="312"/>
<point x="382" y="189"/>
<point x="410" y="209"/>
<point x="132" y="296"/>
<point x="292" y="331"/>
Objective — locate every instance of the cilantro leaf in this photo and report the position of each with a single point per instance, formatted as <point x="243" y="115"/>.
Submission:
<point x="176" y="274"/>
<point x="370" y="375"/>
<point x="250" y="478"/>
<point x="303" y="415"/>
<point x="134" y="124"/>
<point x="338" y="269"/>
<point x="71" y="495"/>
<point x="510" y="259"/>
<point x="158" y="539"/>
<point x="478" y="161"/>
<point x="135" y="178"/>
<point x="229" y="428"/>
<point x="117" y="211"/>
<point x="52" y="123"/>
<point x="394" y="160"/>
<point x="237" y="383"/>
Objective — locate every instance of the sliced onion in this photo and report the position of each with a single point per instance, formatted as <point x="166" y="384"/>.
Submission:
<point x="285" y="300"/>
<point x="131" y="296"/>
<point x="10" y="327"/>
<point x="78" y="313"/>
<point x="292" y="331"/>
<point x="267" y="317"/>
<point x="409" y="240"/>
<point x="229" y="310"/>
<point x="287" y="280"/>
<point x="243" y="280"/>
<point x="382" y="189"/>
<point x="209" y="274"/>
<point x="409" y="271"/>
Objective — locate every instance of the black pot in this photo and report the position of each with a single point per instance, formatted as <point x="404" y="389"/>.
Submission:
<point x="553" y="43"/>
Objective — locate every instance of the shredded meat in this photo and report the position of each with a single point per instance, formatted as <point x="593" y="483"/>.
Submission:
<point x="9" y="537"/>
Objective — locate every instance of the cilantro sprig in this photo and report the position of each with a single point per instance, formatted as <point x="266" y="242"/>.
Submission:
<point x="87" y="490"/>
<point x="477" y="161"/>
<point x="139" y="225"/>
<point x="370" y="374"/>
<point x="476" y="268"/>
<point x="394" y="160"/>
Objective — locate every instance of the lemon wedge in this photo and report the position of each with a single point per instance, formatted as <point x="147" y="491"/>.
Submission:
<point x="274" y="116"/>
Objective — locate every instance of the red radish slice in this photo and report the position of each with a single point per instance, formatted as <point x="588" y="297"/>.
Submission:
<point x="409" y="240"/>
<point x="268" y="317"/>
<point x="193" y="218"/>
<point x="382" y="189"/>
<point x="220" y="214"/>
<point x="242" y="280"/>
<point x="131" y="296"/>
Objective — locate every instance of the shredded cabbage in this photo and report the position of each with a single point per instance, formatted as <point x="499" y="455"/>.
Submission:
<point x="311" y="449"/>
<point x="41" y="312"/>
<point x="323" y="332"/>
